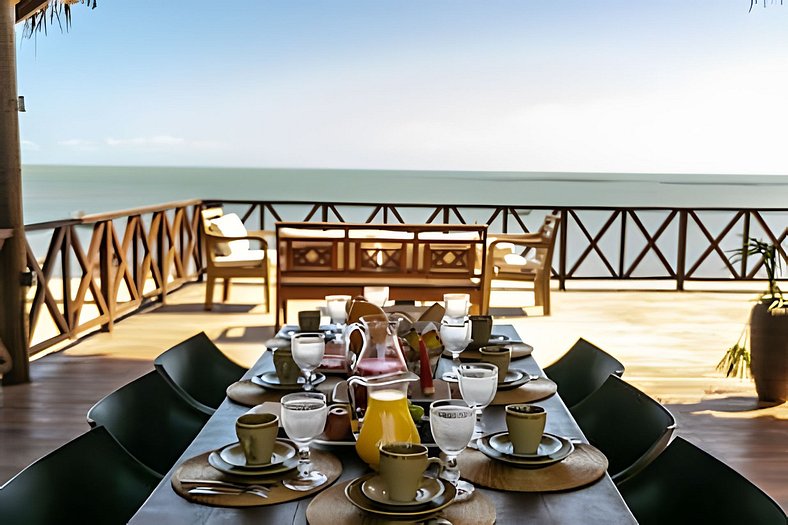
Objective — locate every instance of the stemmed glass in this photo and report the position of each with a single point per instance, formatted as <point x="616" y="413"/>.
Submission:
<point x="455" y="336"/>
<point x="478" y="386"/>
<point x="308" y="351"/>
<point x="303" y="418"/>
<point x="337" y="309"/>
<point x="452" y="421"/>
<point x="377" y="295"/>
<point x="456" y="304"/>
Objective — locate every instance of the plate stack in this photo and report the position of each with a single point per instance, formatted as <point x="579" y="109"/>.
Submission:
<point x="551" y="450"/>
<point x="369" y="493"/>
<point x="230" y="459"/>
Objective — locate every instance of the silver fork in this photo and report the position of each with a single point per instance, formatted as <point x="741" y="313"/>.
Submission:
<point x="226" y="491"/>
<point x="265" y="486"/>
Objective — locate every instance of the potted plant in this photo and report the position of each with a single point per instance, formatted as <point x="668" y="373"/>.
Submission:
<point x="767" y="356"/>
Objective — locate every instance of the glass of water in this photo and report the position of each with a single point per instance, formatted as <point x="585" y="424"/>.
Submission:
<point x="308" y="351"/>
<point x="337" y="308"/>
<point x="452" y="422"/>
<point x="455" y="337"/>
<point x="304" y="418"/>
<point x="478" y="386"/>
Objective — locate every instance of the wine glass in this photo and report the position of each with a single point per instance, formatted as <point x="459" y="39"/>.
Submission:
<point x="337" y="309"/>
<point x="456" y="304"/>
<point x="303" y="418"/>
<point x="452" y="422"/>
<point x="455" y="336"/>
<point x="377" y="295"/>
<point x="308" y="351"/>
<point x="478" y="386"/>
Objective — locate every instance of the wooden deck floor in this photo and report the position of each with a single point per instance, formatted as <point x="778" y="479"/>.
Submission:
<point x="669" y="342"/>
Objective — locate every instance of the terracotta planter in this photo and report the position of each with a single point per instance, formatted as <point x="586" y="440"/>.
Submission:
<point x="769" y="353"/>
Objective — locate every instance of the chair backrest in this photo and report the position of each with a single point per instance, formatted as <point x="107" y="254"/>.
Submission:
<point x="628" y="426"/>
<point x="548" y="233"/>
<point x="582" y="370"/>
<point x="199" y="372"/>
<point x="90" y="479"/>
<point x="684" y="484"/>
<point x="216" y="223"/>
<point x="150" y="420"/>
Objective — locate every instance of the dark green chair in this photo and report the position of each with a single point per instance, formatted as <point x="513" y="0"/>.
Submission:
<point x="685" y="485"/>
<point x="582" y="370"/>
<point x="627" y="425"/>
<point x="199" y="372"/>
<point x="150" y="420"/>
<point x="90" y="479"/>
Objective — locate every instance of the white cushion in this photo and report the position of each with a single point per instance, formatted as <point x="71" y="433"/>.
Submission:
<point x="249" y="257"/>
<point x="230" y="225"/>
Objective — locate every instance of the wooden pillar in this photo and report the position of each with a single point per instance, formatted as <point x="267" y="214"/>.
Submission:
<point x="13" y="325"/>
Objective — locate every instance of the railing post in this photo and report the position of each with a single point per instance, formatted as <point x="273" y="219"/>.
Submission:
<point x="745" y="239"/>
<point x="65" y="271"/>
<point x="564" y="227"/>
<point x="105" y="273"/>
<point x="681" y="260"/>
<point x="161" y="256"/>
<point x="623" y="243"/>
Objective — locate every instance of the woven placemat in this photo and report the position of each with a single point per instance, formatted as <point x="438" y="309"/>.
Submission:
<point x="533" y="390"/>
<point x="198" y="468"/>
<point x="333" y="508"/>
<point x="584" y="465"/>
<point x="251" y="394"/>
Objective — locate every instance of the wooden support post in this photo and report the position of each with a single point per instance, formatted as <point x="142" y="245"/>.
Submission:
<point x="13" y="323"/>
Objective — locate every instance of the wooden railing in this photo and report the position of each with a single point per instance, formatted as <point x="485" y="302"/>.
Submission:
<point x="91" y="271"/>
<point x="595" y="243"/>
<point x="101" y="267"/>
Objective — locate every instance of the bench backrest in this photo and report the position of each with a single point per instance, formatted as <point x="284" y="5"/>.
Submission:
<point x="432" y="251"/>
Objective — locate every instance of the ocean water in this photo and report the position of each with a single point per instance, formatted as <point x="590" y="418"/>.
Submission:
<point x="58" y="192"/>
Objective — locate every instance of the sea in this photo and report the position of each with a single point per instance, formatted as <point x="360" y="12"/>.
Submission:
<point x="57" y="192"/>
<point x="61" y="192"/>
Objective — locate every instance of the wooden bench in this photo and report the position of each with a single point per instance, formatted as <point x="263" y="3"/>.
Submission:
<point x="417" y="262"/>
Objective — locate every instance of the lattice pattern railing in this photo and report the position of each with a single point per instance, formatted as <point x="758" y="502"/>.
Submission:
<point x="130" y="257"/>
<point x="115" y="262"/>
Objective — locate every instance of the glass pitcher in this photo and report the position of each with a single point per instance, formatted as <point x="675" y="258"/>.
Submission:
<point x="380" y="349"/>
<point x="387" y="418"/>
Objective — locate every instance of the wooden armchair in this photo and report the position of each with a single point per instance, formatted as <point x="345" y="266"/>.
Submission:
<point x="229" y="254"/>
<point x="524" y="257"/>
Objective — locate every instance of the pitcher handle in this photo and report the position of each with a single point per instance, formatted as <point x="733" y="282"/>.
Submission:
<point x="348" y="332"/>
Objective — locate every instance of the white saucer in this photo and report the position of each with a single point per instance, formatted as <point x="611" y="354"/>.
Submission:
<point x="503" y="444"/>
<point x="375" y="489"/>
<point x="271" y="380"/>
<point x="234" y="455"/>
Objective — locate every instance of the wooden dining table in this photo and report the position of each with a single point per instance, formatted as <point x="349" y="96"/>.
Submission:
<point x="599" y="502"/>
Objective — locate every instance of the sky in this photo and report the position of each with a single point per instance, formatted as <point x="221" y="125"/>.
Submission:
<point x="661" y="86"/>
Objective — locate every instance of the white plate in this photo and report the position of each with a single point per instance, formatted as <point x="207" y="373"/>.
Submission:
<point x="525" y="462"/>
<point x="216" y="461"/>
<point x="375" y="489"/>
<point x="503" y="444"/>
<point x="234" y="455"/>
<point x="271" y="380"/>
